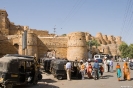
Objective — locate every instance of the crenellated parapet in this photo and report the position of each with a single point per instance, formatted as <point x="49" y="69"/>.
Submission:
<point x="111" y="38"/>
<point x="118" y="40"/>
<point x="100" y="39"/>
<point x="106" y="39"/>
<point x="88" y="36"/>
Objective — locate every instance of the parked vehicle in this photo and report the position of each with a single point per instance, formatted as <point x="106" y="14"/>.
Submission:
<point x="46" y="64"/>
<point x="99" y="58"/>
<point x="18" y="70"/>
<point x="59" y="71"/>
<point x="131" y="65"/>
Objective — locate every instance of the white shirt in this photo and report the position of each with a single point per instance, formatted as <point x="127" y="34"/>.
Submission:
<point x="68" y="65"/>
<point x="108" y="61"/>
<point x="105" y="62"/>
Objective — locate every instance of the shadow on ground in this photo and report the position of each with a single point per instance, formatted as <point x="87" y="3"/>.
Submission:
<point x="48" y="80"/>
<point x="37" y="86"/>
<point x="108" y="76"/>
<point x="44" y="83"/>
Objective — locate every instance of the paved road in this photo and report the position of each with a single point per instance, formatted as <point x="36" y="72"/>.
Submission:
<point x="109" y="81"/>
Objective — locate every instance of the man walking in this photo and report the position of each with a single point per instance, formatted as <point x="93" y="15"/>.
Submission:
<point x="105" y="64"/>
<point x="108" y="65"/>
<point x="68" y="70"/>
<point x="111" y="65"/>
<point x="96" y="68"/>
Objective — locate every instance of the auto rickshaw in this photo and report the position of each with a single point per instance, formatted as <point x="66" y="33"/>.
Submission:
<point x="18" y="70"/>
<point x="58" y="69"/>
<point x="46" y="64"/>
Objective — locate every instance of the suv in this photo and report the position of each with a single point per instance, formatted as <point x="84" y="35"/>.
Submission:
<point x="18" y="70"/>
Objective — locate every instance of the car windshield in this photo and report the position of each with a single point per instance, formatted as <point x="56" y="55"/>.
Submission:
<point x="102" y="56"/>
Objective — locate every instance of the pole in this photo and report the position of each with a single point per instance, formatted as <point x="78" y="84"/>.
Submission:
<point x="54" y="38"/>
<point x="54" y="41"/>
<point x="90" y="49"/>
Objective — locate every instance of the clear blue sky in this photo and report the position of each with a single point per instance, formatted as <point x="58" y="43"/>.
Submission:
<point x="110" y="17"/>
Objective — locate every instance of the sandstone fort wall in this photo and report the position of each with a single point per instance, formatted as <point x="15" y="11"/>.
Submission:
<point x="39" y="42"/>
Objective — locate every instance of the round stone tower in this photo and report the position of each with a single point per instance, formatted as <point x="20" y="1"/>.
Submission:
<point x="32" y="44"/>
<point x="77" y="48"/>
<point x="31" y="48"/>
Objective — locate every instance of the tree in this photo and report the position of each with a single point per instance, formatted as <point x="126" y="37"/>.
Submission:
<point x="124" y="50"/>
<point x="93" y="43"/>
<point x="63" y="35"/>
<point x="130" y="50"/>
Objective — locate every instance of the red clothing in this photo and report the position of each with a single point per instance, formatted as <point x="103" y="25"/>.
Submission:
<point x="101" y="69"/>
<point x="89" y="71"/>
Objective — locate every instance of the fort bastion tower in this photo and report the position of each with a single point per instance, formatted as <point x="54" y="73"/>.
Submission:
<point x="4" y="22"/>
<point x="31" y="49"/>
<point x="76" y="46"/>
<point x="32" y="44"/>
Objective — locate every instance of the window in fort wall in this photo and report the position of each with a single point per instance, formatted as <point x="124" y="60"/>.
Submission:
<point x="2" y="14"/>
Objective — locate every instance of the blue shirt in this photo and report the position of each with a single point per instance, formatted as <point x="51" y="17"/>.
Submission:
<point x="96" y="65"/>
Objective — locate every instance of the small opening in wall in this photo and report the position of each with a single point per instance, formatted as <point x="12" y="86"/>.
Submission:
<point x="80" y="39"/>
<point x="2" y="13"/>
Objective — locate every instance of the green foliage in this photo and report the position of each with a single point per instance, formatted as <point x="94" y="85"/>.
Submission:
<point x="130" y="50"/>
<point x="93" y="43"/>
<point x="63" y="35"/>
<point x="126" y="51"/>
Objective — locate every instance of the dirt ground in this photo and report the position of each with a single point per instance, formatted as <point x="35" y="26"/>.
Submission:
<point x="109" y="81"/>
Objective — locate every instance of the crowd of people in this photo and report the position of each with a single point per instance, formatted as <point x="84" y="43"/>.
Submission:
<point x="96" y="70"/>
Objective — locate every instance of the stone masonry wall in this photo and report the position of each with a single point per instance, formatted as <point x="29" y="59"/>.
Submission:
<point x="58" y="44"/>
<point x="39" y="32"/>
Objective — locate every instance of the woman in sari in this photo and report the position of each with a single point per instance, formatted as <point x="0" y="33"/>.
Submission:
<point x="89" y="70"/>
<point x="118" y="70"/>
<point x="126" y="71"/>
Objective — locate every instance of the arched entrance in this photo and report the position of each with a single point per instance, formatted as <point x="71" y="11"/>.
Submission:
<point x="51" y="53"/>
<point x="16" y="47"/>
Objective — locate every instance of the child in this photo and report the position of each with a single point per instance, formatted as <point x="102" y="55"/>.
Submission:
<point x="101" y="71"/>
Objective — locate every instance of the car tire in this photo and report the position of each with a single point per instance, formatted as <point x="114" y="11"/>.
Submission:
<point x="9" y="86"/>
<point x="35" y="82"/>
<point x="39" y="77"/>
<point x="59" y="77"/>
